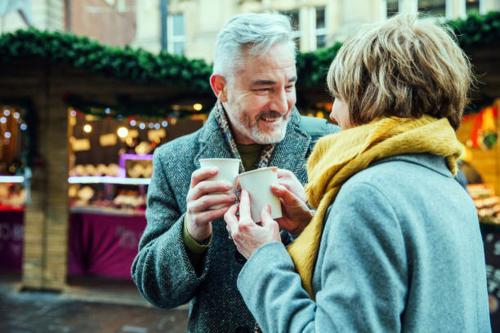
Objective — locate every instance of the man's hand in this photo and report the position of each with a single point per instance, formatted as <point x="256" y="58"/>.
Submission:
<point x="204" y="194"/>
<point x="296" y="214"/>
<point x="246" y="234"/>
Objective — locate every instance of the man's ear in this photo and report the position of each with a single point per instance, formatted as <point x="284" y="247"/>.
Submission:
<point x="219" y="86"/>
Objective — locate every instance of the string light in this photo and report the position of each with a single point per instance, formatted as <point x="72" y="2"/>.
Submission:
<point x="7" y="135"/>
<point x="87" y="128"/>
<point x="16" y="115"/>
<point x="73" y="113"/>
<point x="142" y="126"/>
<point x="3" y="120"/>
<point x="197" y="106"/>
<point x="122" y="132"/>
<point x="24" y="127"/>
<point x="157" y="126"/>
<point x="164" y="123"/>
<point x="107" y="110"/>
<point x="151" y="125"/>
<point x="133" y="123"/>
<point x="6" y="112"/>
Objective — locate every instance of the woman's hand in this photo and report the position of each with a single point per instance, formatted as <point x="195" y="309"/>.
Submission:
<point x="296" y="213"/>
<point x="247" y="235"/>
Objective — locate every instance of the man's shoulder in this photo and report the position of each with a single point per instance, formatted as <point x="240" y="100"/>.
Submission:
<point x="317" y="127"/>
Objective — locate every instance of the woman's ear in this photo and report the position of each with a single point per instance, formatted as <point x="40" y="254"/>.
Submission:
<point x="219" y="86"/>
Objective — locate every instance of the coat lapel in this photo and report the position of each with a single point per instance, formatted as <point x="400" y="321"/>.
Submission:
<point x="212" y="142"/>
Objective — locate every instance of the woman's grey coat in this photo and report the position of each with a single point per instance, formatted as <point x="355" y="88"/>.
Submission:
<point x="401" y="251"/>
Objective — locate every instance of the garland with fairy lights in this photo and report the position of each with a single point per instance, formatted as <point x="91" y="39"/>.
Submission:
<point x="138" y="65"/>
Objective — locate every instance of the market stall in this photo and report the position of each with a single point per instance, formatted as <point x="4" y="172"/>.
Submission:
<point x="481" y="166"/>
<point x="110" y="168"/>
<point x="12" y="195"/>
<point x="110" y="165"/>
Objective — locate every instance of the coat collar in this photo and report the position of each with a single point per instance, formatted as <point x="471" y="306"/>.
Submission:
<point x="289" y="154"/>
<point x="429" y="161"/>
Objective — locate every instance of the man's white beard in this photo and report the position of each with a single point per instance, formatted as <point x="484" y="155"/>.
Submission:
<point x="268" y="138"/>
<point x="255" y="134"/>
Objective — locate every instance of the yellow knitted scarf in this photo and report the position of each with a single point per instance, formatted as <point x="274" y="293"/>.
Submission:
<point x="337" y="157"/>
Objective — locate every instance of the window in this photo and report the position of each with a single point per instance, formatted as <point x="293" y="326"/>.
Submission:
<point x="320" y="27"/>
<point x="176" y="36"/>
<point x="432" y="7"/>
<point x="295" y="22"/>
<point x="472" y="6"/>
<point x="392" y="7"/>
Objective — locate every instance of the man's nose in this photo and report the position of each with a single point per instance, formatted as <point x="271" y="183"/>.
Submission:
<point x="281" y="101"/>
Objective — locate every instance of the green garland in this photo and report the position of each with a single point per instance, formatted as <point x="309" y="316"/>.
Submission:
<point x="138" y="65"/>
<point x="474" y="31"/>
<point x="313" y="66"/>
<point x="477" y="30"/>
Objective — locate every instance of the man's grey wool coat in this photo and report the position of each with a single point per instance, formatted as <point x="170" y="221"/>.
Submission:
<point x="162" y="269"/>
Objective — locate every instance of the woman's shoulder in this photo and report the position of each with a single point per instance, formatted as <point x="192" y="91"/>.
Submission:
<point x="404" y="185"/>
<point x="403" y="171"/>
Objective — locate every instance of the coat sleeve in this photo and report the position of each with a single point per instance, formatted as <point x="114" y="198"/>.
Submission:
<point x="363" y="273"/>
<point x="162" y="269"/>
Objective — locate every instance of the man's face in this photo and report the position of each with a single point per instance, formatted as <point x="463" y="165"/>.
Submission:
<point x="261" y="95"/>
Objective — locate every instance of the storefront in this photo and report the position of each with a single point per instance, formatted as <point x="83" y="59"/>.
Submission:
<point x="110" y="169"/>
<point x="13" y="139"/>
<point x="479" y="133"/>
<point x="85" y="165"/>
<point x="110" y="165"/>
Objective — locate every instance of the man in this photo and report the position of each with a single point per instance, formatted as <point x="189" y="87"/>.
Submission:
<point x="185" y="253"/>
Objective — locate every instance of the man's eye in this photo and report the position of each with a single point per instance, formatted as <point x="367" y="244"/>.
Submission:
<point x="290" y="87"/>
<point x="263" y="89"/>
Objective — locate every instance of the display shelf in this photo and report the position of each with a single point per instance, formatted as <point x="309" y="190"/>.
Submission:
<point x="85" y="180"/>
<point x="107" y="211"/>
<point x="108" y="180"/>
<point x="11" y="179"/>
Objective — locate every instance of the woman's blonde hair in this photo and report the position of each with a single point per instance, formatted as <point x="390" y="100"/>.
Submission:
<point x="403" y="67"/>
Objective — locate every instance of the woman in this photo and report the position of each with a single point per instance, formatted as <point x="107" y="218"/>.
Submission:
<point x="395" y="242"/>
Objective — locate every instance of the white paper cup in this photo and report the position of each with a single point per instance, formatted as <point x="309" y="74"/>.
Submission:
<point x="229" y="169"/>
<point x="258" y="184"/>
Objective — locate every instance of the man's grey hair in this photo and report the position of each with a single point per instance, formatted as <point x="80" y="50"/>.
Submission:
<point x="256" y="33"/>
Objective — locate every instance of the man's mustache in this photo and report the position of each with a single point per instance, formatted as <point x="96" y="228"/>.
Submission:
<point x="269" y="114"/>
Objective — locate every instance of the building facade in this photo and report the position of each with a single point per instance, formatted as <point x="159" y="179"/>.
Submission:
<point x="190" y="27"/>
<point x="40" y="14"/>
<point x="112" y="22"/>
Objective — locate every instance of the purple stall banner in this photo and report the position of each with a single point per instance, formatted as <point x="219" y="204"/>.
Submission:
<point x="104" y="244"/>
<point x="11" y="241"/>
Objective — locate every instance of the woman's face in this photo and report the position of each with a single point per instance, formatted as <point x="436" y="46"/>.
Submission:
<point x="340" y="114"/>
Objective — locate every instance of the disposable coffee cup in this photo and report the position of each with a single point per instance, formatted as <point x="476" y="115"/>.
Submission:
<point x="258" y="184"/>
<point x="229" y="169"/>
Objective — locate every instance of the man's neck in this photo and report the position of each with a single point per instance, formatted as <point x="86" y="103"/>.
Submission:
<point x="250" y="154"/>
